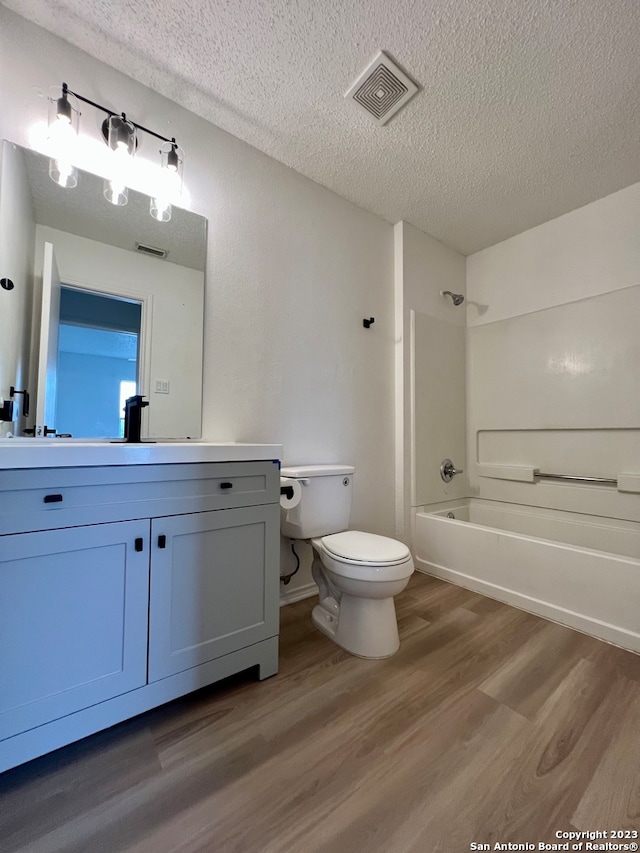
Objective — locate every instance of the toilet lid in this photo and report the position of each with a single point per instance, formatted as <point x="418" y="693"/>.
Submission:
<point x="358" y="547"/>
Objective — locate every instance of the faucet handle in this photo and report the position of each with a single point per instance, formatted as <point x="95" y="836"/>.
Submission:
<point x="448" y="470"/>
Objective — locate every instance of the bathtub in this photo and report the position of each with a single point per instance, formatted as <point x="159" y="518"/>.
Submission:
<point x="580" y="570"/>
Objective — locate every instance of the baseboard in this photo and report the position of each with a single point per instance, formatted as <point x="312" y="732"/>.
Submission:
<point x="298" y="594"/>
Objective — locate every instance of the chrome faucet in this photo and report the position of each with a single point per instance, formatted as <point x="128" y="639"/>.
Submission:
<point x="448" y="471"/>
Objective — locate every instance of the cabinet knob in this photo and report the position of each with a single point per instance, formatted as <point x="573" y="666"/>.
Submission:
<point x="162" y="541"/>
<point x="226" y="485"/>
<point x="53" y="499"/>
<point x="139" y="543"/>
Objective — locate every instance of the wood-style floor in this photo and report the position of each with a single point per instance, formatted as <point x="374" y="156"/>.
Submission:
<point x="489" y="725"/>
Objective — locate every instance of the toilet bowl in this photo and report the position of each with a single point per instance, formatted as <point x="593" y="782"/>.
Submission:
<point x="357" y="574"/>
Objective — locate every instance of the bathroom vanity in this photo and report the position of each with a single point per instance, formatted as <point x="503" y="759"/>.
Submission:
<point x="129" y="575"/>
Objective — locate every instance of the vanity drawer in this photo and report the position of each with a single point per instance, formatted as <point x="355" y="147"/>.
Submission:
<point x="48" y="498"/>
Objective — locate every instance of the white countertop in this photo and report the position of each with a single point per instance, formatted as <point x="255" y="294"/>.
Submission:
<point x="67" y="453"/>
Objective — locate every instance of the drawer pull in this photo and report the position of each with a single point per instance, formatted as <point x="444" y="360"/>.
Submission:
<point x="226" y="485"/>
<point x="53" y="499"/>
<point x="139" y="543"/>
<point x="162" y="541"/>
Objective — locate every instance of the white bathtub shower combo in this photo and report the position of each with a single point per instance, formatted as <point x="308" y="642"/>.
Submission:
<point x="538" y="376"/>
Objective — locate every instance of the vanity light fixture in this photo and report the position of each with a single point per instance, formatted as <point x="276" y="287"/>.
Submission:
<point x="121" y="135"/>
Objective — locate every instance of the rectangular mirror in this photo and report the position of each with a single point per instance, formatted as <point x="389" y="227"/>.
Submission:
<point x="97" y="302"/>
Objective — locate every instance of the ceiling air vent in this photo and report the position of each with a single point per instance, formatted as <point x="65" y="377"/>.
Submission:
<point x="151" y="250"/>
<point x="382" y="89"/>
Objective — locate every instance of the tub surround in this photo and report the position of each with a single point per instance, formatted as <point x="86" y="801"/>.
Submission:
<point x="556" y="391"/>
<point x="552" y="346"/>
<point x="131" y="575"/>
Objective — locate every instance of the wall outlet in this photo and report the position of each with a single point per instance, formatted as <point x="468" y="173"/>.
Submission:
<point x="162" y="386"/>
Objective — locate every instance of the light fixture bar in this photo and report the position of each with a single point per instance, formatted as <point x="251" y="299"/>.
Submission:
<point x="66" y="90"/>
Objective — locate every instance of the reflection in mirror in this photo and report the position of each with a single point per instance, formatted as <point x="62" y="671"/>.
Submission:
<point x="104" y="301"/>
<point x="97" y="358"/>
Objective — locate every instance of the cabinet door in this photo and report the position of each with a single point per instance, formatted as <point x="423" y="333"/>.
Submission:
<point x="73" y="620"/>
<point x="214" y="586"/>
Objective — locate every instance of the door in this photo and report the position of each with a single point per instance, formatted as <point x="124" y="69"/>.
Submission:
<point x="214" y="585"/>
<point x="73" y="620"/>
<point x="97" y="357"/>
<point x="49" y="333"/>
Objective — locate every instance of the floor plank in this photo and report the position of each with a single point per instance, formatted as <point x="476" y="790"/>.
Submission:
<point x="612" y="799"/>
<point x="527" y="679"/>
<point x="489" y="724"/>
<point x="390" y="812"/>
<point x="539" y="788"/>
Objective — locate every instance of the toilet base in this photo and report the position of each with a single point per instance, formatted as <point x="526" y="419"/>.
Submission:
<point x="365" y="627"/>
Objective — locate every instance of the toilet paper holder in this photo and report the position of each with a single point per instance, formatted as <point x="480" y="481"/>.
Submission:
<point x="287" y="491"/>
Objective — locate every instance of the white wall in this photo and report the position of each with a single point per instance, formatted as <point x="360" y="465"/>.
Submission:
<point x="292" y="270"/>
<point x="17" y="227"/>
<point x="171" y="333"/>
<point x="552" y="356"/>
<point x="430" y="379"/>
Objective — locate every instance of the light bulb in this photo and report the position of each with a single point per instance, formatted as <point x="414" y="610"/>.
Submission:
<point x="63" y="172"/>
<point x="160" y="209"/>
<point x="116" y="192"/>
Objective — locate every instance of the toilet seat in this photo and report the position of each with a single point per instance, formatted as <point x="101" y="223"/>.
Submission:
<point x="354" y="546"/>
<point x="374" y="570"/>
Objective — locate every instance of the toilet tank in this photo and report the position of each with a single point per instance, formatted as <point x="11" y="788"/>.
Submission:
<point x="325" y="503"/>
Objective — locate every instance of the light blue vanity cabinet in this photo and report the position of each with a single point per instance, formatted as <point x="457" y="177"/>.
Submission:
<point x="125" y="586"/>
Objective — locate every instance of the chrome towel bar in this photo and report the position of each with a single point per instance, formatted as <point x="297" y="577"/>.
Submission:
<point x="605" y="481"/>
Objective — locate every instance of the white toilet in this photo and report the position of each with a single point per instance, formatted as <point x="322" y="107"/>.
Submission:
<point x="357" y="573"/>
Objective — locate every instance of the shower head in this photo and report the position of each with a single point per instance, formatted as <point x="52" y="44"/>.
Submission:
<point x="456" y="298"/>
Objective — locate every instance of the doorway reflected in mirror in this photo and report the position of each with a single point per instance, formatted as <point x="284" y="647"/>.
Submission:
<point x="97" y="358"/>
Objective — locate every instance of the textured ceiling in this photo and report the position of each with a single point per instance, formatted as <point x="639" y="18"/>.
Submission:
<point x="527" y="109"/>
